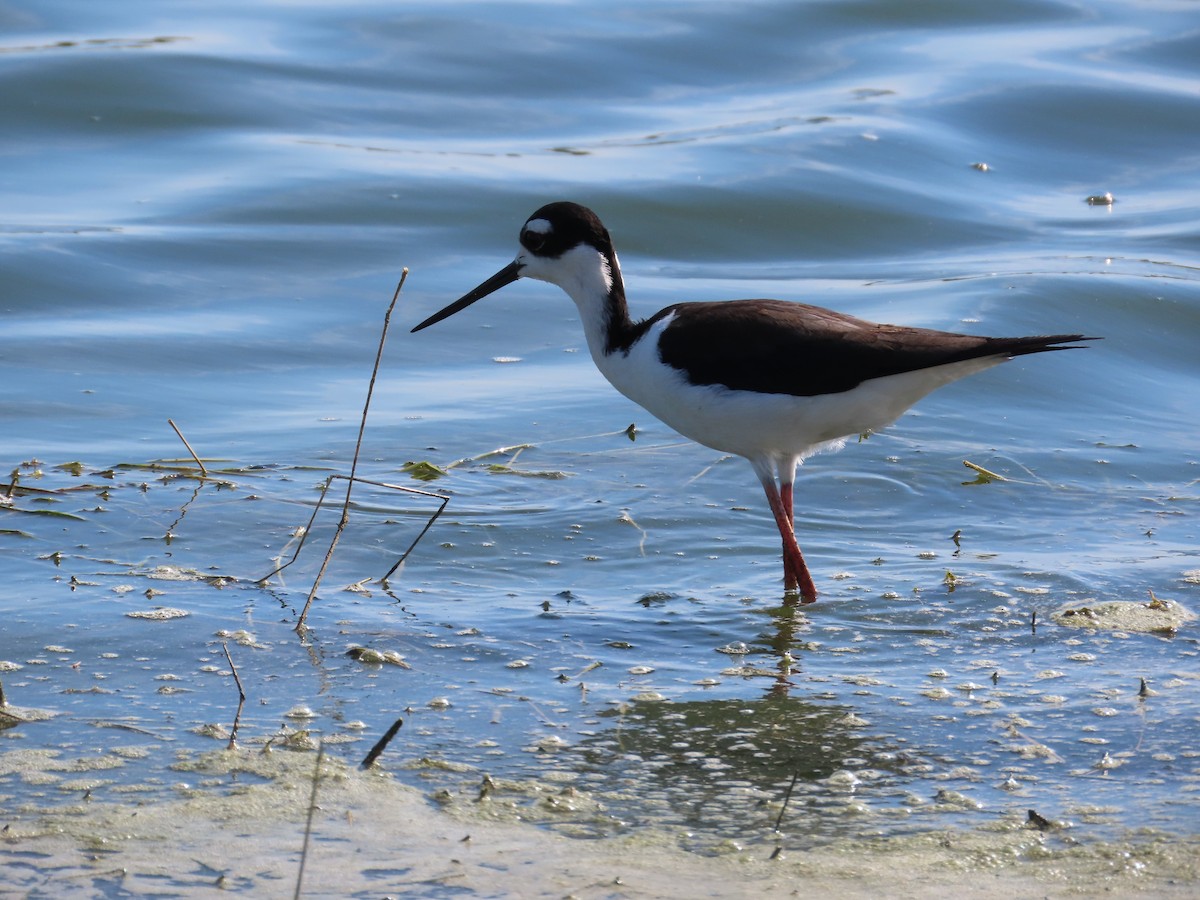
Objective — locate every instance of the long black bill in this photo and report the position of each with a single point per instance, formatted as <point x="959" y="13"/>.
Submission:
<point x="507" y="275"/>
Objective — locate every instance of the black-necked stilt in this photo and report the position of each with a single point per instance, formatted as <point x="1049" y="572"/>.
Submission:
<point x="769" y="380"/>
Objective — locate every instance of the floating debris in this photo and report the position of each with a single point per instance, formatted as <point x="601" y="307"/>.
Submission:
<point x="648" y="697"/>
<point x="852" y="720"/>
<point x="749" y="672"/>
<point x="242" y="637"/>
<point x="294" y="740"/>
<point x="1163" y="617"/>
<point x="982" y="475"/>
<point x="956" y="799"/>
<point x="1041" y="823"/>
<point x="502" y="469"/>
<point x="369" y="656"/>
<point x="843" y="780"/>
<point x="11" y="716"/>
<point x="423" y="470"/>
<point x="159" y="614"/>
<point x="1107" y="763"/>
<point x="737" y="648"/>
<point x="174" y="573"/>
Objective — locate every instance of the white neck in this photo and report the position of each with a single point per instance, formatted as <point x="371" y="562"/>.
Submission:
<point x="584" y="273"/>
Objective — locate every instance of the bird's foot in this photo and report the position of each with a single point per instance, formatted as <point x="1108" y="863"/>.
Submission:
<point x="793" y="596"/>
<point x="797" y="582"/>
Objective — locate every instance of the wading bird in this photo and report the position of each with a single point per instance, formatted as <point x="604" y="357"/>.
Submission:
<point x="769" y="380"/>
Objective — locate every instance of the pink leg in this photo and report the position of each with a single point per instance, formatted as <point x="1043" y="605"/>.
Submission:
<point x="796" y="576"/>
<point x="790" y="577"/>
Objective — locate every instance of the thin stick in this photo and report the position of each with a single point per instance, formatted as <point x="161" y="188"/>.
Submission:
<point x="786" y="799"/>
<point x="383" y="484"/>
<point x="304" y="535"/>
<point x="241" y="699"/>
<point x="203" y="471"/>
<point x="312" y="808"/>
<point x="381" y="744"/>
<point x="445" y="499"/>
<point x="337" y="534"/>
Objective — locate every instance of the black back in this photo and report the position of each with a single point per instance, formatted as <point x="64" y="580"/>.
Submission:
<point x="777" y="347"/>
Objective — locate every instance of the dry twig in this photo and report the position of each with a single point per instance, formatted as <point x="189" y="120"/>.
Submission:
<point x="312" y="809"/>
<point x="203" y="471"/>
<point x="341" y="526"/>
<point x="381" y="744"/>
<point x="241" y="699"/>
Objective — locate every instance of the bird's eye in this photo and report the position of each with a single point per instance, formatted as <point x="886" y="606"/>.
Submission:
<point x="533" y="240"/>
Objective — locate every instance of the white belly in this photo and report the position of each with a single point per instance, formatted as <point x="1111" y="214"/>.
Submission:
<point x="751" y="424"/>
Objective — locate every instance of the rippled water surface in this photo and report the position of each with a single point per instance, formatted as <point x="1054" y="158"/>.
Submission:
<point x="206" y="209"/>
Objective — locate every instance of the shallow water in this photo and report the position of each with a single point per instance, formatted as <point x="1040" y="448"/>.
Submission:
<point x="207" y="208"/>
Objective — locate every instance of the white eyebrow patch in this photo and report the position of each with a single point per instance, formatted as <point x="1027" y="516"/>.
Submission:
<point x="539" y="226"/>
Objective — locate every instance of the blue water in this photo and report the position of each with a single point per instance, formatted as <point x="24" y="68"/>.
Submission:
<point x="205" y="211"/>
